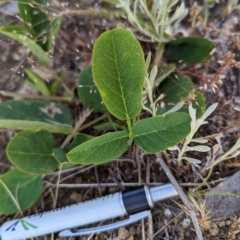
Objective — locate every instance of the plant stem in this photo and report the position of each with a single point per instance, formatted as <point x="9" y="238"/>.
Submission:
<point x="51" y="98"/>
<point x="159" y="53"/>
<point x="203" y="183"/>
<point x="59" y="80"/>
<point x="93" y="12"/>
<point x="130" y="135"/>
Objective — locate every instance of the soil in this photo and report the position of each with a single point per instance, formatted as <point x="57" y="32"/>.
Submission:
<point x="218" y="80"/>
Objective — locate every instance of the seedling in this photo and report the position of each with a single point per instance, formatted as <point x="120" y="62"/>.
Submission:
<point x="119" y="84"/>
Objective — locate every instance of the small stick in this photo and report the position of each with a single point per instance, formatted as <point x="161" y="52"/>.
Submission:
<point x="150" y="220"/>
<point x="189" y="206"/>
<point x="78" y="124"/>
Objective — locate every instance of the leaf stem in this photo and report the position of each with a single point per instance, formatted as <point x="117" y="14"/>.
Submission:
<point x="197" y="188"/>
<point x="130" y="134"/>
<point x="28" y="96"/>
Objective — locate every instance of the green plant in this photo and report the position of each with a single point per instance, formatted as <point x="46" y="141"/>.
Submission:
<point x="152" y="18"/>
<point x="38" y="34"/>
<point x="195" y="124"/>
<point x="118" y="85"/>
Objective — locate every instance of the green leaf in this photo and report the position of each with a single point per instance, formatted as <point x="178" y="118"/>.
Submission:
<point x="88" y="92"/>
<point x="31" y="152"/>
<point x="158" y="133"/>
<point x="119" y="72"/>
<point x="53" y="30"/>
<point x="35" y="114"/>
<point x="163" y="73"/>
<point x="53" y="87"/>
<point x="176" y="88"/>
<point x="100" y="149"/>
<point x="37" y="82"/>
<point x="18" y="190"/>
<point x="37" y="23"/>
<point x="26" y="16"/>
<point x="191" y="50"/>
<point x="60" y="155"/>
<point x="79" y="138"/>
<point x="19" y="34"/>
<point x="106" y="126"/>
<point x="198" y="102"/>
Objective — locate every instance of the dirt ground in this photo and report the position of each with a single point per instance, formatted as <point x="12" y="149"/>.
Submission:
<point x="170" y="219"/>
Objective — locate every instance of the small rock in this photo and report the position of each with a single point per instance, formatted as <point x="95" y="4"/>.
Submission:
<point x="228" y="222"/>
<point x="214" y="230"/>
<point x="223" y="200"/>
<point x="132" y="230"/>
<point x="76" y="197"/>
<point x="123" y="233"/>
<point x="167" y="213"/>
<point x="222" y="224"/>
<point x="131" y="237"/>
<point x="186" y="222"/>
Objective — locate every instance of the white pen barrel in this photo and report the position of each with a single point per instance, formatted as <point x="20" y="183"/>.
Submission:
<point x="94" y="210"/>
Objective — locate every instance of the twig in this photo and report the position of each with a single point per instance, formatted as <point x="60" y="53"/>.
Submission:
<point x="133" y="184"/>
<point x="150" y="220"/>
<point x="172" y="220"/>
<point x="79" y="123"/>
<point x="188" y="205"/>
<point x="91" y="185"/>
<point x="140" y="181"/>
<point x="97" y="179"/>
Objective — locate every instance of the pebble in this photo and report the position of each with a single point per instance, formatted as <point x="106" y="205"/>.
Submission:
<point x="76" y="197"/>
<point x="214" y="230"/>
<point x="123" y="233"/>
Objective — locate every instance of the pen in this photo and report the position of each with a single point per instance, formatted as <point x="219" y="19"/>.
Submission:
<point x="135" y="203"/>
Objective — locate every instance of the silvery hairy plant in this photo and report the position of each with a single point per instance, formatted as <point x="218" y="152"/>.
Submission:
<point x="195" y="124"/>
<point x="158" y="21"/>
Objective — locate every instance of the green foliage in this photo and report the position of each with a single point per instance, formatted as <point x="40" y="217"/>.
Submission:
<point x="164" y="72"/>
<point x="19" y="34"/>
<point x="198" y="102"/>
<point x="37" y="23"/>
<point x="31" y="152"/>
<point x="118" y="82"/>
<point x="118" y="71"/>
<point x="195" y="124"/>
<point x="60" y="155"/>
<point x="153" y="18"/>
<point x="37" y="82"/>
<point x="176" y="88"/>
<point x="158" y="133"/>
<point x="79" y="138"/>
<point x="88" y="92"/>
<point x="35" y="114"/>
<point x="180" y="89"/>
<point x="191" y="50"/>
<point x="100" y="149"/>
<point x="18" y="191"/>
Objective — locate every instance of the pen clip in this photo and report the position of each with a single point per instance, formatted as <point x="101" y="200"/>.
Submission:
<point x="132" y="218"/>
